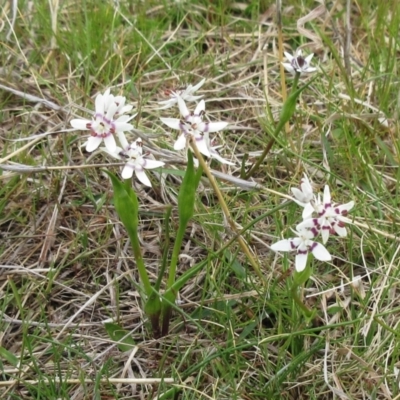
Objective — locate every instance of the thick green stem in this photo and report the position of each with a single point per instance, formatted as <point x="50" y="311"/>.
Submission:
<point x="308" y="313"/>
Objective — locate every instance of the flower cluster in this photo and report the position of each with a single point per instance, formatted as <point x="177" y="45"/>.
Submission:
<point x="192" y="125"/>
<point x="320" y="216"/>
<point x="109" y="124"/>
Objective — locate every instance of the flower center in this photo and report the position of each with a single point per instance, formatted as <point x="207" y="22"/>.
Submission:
<point x="101" y="126"/>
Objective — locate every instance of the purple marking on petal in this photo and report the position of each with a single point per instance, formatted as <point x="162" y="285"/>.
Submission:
<point x="313" y="246"/>
<point x="315" y="231"/>
<point x="292" y="245"/>
<point x="303" y="251"/>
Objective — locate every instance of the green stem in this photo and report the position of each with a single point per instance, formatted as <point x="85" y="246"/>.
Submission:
<point x="308" y="313"/>
<point x="137" y="253"/>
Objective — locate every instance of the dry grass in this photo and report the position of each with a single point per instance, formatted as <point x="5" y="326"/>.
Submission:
<point x="66" y="264"/>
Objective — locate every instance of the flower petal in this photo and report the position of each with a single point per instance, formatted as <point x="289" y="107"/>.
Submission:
<point x="127" y="171"/>
<point x="93" y="143"/>
<point x="110" y="143"/>
<point x="320" y="252"/>
<point x="288" y="56"/>
<point x="282" y="245"/>
<point x="301" y="261"/>
<point x="201" y="144"/>
<point x="200" y="108"/>
<point x="80" y="124"/>
<point x="182" y="108"/>
<point x="288" y="67"/>
<point x="173" y="123"/>
<point x="198" y="86"/>
<point x="180" y="143"/>
<point x="151" y="164"/>
<point x="327" y="196"/>
<point x="141" y="175"/>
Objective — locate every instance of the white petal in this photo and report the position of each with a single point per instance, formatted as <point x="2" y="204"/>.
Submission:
<point x="122" y="140"/>
<point x="310" y="69"/>
<point x="325" y="235"/>
<point x="123" y="126"/>
<point x="301" y="261"/>
<point x="189" y="97"/>
<point x="212" y="126"/>
<point x="202" y="146"/>
<point x="200" y="108"/>
<point x="309" y="58"/>
<point x="299" y="195"/>
<point x="173" y="123"/>
<point x="180" y="143"/>
<point x="288" y="67"/>
<point x="288" y="56"/>
<point x="141" y="175"/>
<point x="327" y="195"/>
<point x="93" y="143"/>
<point x="99" y="104"/>
<point x="308" y="211"/>
<point x="167" y="104"/>
<point x="110" y="143"/>
<point x="111" y="110"/>
<point x="215" y="154"/>
<point x="198" y="86"/>
<point x="80" y="124"/>
<point x="182" y="107"/>
<point x="320" y="252"/>
<point x="282" y="245"/>
<point x="346" y="207"/>
<point x="150" y="164"/>
<point x="340" y="230"/>
<point x="125" y="118"/>
<point x="127" y="171"/>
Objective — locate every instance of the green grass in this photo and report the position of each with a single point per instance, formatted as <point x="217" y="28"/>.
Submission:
<point x="66" y="268"/>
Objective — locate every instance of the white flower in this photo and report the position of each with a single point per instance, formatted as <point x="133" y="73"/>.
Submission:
<point x="297" y="63"/>
<point x="107" y="121"/>
<point x="135" y="160"/>
<point x="331" y="218"/>
<point x="303" y="244"/>
<point x="304" y="196"/>
<point x="192" y="124"/>
<point x="185" y="94"/>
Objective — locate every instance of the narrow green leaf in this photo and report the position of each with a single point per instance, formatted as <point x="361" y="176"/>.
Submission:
<point x="289" y="107"/>
<point x="187" y="192"/>
<point x="9" y="357"/>
<point x="120" y="335"/>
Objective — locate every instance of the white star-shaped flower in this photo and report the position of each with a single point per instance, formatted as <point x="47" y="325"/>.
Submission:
<point x="186" y="94"/>
<point x="297" y="63"/>
<point x="331" y="218"/>
<point x="192" y="125"/>
<point x="304" y="196"/>
<point x="136" y="162"/>
<point x="107" y="121"/>
<point x="303" y="244"/>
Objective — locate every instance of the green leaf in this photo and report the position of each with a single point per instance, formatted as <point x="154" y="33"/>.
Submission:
<point x="187" y="192"/>
<point x="301" y="277"/>
<point x="125" y="203"/>
<point x="289" y="107"/>
<point x="8" y="356"/>
<point x="120" y="335"/>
